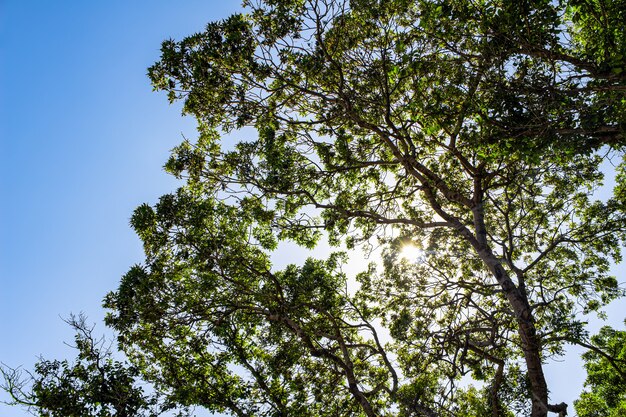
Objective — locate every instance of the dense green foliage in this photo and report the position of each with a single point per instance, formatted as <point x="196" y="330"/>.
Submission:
<point x="473" y="130"/>
<point x="606" y="376"/>
<point x="95" y="384"/>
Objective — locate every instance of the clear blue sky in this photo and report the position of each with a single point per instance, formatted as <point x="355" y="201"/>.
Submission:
<point x="82" y="142"/>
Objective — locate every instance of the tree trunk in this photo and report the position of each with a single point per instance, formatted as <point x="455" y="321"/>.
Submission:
<point x="531" y="345"/>
<point x="516" y="296"/>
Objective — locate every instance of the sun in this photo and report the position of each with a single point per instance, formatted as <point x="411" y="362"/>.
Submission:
<point x="411" y="253"/>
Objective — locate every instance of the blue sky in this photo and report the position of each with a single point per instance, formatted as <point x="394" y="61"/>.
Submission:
<point x="82" y="142"/>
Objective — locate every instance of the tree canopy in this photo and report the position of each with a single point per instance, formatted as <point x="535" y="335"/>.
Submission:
<point x="472" y="130"/>
<point x="95" y="384"/>
<point x="606" y="376"/>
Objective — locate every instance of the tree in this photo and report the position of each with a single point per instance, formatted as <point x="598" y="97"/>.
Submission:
<point x="95" y="385"/>
<point x="472" y="130"/>
<point x="606" y="376"/>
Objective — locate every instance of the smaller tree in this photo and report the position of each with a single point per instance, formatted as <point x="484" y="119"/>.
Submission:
<point x="95" y="385"/>
<point x="606" y="376"/>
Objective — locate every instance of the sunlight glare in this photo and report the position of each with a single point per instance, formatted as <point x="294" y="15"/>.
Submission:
<point x="411" y="253"/>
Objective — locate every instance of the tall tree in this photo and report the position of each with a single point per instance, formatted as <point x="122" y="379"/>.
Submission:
<point x="471" y="130"/>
